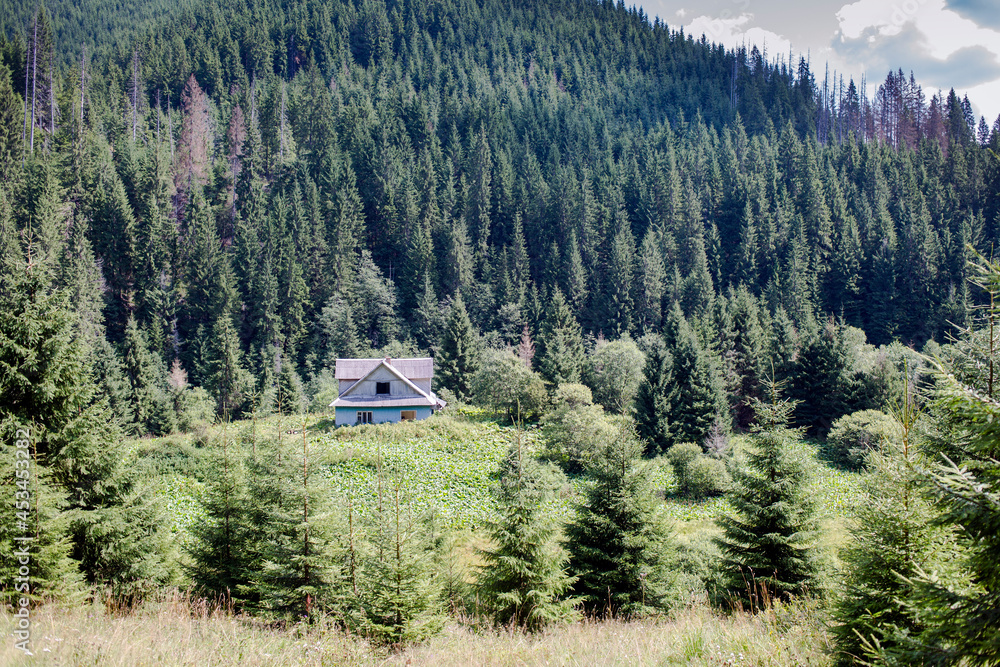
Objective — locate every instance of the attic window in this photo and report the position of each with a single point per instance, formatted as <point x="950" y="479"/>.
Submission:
<point x="382" y="388"/>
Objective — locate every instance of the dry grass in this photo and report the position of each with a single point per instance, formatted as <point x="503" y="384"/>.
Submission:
<point x="177" y="632"/>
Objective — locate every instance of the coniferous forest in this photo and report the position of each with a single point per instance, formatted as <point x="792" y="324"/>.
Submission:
<point x="631" y="248"/>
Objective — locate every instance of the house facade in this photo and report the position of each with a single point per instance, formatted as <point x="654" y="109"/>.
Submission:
<point x="375" y="391"/>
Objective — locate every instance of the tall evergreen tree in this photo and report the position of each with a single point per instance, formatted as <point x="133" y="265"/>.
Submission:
<point x="458" y="354"/>
<point x="523" y="581"/>
<point x="768" y="541"/>
<point x="619" y="549"/>
<point x="560" y="355"/>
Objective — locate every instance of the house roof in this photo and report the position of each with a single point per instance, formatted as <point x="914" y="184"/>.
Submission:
<point x="355" y="369"/>
<point x="420" y="397"/>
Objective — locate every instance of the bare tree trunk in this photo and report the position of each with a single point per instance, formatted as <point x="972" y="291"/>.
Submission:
<point x="24" y="130"/>
<point x="34" y="62"/>
<point x="83" y="72"/>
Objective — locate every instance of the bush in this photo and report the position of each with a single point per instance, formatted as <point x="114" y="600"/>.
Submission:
<point x="323" y="390"/>
<point x="506" y="386"/>
<point x="573" y="395"/>
<point x="853" y="435"/>
<point x="576" y="430"/>
<point x="706" y="477"/>
<point x="195" y="407"/>
<point x="615" y="371"/>
<point x="697" y="475"/>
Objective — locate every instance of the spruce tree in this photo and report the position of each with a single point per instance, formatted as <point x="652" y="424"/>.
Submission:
<point x="221" y="547"/>
<point x="458" y="355"/>
<point x="523" y="581"/>
<point x="963" y="622"/>
<point x="620" y="551"/>
<point x="147" y="375"/>
<point x="893" y="538"/>
<point x="115" y="532"/>
<point x="560" y="356"/>
<point x="768" y="541"/>
<point x="399" y="590"/>
<point x="297" y="565"/>
<point x="226" y="376"/>
<point x="651" y="400"/>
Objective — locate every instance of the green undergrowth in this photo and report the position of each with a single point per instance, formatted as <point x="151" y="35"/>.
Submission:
<point x="445" y="466"/>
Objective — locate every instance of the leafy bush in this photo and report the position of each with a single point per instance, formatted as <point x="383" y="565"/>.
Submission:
<point x="576" y="430"/>
<point x="506" y="386"/>
<point x="705" y="477"/>
<point x="697" y="475"/>
<point x="614" y="373"/>
<point x="194" y="407"/>
<point x="853" y="435"/>
<point x="323" y="390"/>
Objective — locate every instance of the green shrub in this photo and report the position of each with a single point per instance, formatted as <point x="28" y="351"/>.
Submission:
<point x="504" y="385"/>
<point x="575" y="434"/>
<point x="705" y="476"/>
<point x="573" y="395"/>
<point x="195" y="407"/>
<point x="697" y="475"/>
<point x="853" y="435"/>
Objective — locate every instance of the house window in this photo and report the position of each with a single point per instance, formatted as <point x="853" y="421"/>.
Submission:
<point x="382" y="388"/>
<point x="364" y="417"/>
<point x="407" y="415"/>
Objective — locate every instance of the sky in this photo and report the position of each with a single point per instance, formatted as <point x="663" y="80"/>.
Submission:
<point x="945" y="43"/>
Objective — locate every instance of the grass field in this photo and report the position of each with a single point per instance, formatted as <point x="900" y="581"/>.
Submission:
<point x="446" y="464"/>
<point x="176" y="632"/>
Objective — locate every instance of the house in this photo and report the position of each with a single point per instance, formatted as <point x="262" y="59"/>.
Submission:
<point x="373" y="391"/>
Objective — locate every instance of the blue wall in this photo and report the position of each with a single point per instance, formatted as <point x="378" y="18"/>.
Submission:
<point x="379" y="415"/>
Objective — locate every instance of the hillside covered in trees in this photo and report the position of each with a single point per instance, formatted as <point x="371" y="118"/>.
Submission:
<point x="573" y="208"/>
<point x="288" y="183"/>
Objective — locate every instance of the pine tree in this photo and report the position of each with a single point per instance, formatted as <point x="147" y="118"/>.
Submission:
<point x="221" y="547"/>
<point x="619" y="549"/>
<point x="399" y="590"/>
<point x="963" y="622"/>
<point x="147" y="374"/>
<point x="768" y="542"/>
<point x="114" y="529"/>
<point x="560" y="355"/>
<point x="893" y="539"/>
<point x="226" y="375"/>
<point x="621" y="271"/>
<point x="651" y="400"/>
<point x="458" y="355"/>
<point x="10" y="143"/>
<point x="297" y="565"/>
<point x="694" y="399"/>
<point x="523" y="581"/>
<point x="819" y="380"/>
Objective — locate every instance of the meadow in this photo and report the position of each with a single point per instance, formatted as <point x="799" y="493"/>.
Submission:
<point x="447" y="465"/>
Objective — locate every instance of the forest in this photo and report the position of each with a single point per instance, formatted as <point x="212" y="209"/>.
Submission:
<point x="629" y="242"/>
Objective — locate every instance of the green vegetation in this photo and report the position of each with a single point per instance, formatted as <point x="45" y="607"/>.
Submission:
<point x="611" y="237"/>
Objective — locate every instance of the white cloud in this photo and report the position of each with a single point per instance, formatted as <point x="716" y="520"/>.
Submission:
<point x="681" y="13"/>
<point x="942" y="47"/>
<point x="945" y="30"/>
<point x="734" y="32"/>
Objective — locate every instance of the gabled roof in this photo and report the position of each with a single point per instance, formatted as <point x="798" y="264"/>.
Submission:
<point x="420" y="397"/>
<point x="355" y="369"/>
